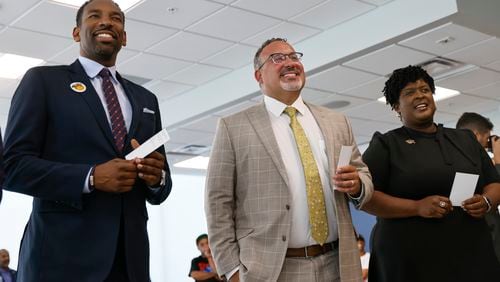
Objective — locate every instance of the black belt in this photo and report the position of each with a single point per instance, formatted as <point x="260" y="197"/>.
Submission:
<point x="312" y="251"/>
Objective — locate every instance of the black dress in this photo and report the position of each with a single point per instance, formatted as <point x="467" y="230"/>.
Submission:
<point x="413" y="165"/>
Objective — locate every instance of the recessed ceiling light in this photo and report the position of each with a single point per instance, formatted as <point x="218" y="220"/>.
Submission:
<point x="441" y="94"/>
<point x="198" y="162"/>
<point x="14" y="66"/>
<point x="172" y="10"/>
<point x="125" y="5"/>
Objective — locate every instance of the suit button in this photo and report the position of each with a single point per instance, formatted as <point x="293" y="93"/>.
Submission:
<point x="287" y="207"/>
<point x="283" y="238"/>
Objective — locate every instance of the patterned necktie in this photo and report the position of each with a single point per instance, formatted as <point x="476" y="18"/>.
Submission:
<point x="314" y="188"/>
<point x="115" y="112"/>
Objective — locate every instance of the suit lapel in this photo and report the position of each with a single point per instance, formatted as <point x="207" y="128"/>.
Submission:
<point x="136" y="110"/>
<point x="92" y="99"/>
<point x="259" y="119"/>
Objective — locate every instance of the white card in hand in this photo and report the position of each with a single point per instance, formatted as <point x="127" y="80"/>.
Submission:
<point x="146" y="148"/>
<point x="345" y="156"/>
<point x="463" y="188"/>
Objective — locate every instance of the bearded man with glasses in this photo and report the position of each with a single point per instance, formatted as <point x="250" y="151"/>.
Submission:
<point x="276" y="202"/>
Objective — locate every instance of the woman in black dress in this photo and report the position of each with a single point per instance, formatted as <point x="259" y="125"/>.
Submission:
<point x="419" y="235"/>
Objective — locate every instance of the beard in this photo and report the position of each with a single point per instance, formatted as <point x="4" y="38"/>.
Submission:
<point x="293" y="85"/>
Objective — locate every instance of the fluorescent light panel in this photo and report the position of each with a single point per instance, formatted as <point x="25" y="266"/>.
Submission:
<point x="14" y="66"/>
<point x="441" y="94"/>
<point x="198" y="162"/>
<point x="124" y="4"/>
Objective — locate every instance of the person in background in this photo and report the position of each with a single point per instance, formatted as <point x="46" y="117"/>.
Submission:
<point x="203" y="267"/>
<point x="419" y="235"/>
<point x="364" y="256"/>
<point x="68" y="132"/>
<point x="276" y="202"/>
<point x="482" y="127"/>
<point x="1" y="166"/>
<point x="6" y="274"/>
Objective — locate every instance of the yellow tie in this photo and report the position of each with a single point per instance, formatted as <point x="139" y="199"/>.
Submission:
<point x="314" y="189"/>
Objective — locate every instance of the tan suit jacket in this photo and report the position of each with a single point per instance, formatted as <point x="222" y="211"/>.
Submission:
<point x="247" y="196"/>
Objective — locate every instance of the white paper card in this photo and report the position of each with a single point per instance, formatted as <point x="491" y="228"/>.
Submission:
<point x="463" y="187"/>
<point x="345" y="156"/>
<point x="149" y="146"/>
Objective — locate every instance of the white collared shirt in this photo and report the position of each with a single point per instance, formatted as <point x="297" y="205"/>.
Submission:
<point x="300" y="234"/>
<point x="92" y="69"/>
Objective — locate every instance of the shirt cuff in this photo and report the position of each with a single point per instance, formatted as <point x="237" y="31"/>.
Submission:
<point x="86" y="185"/>
<point x="231" y="273"/>
<point x="357" y="200"/>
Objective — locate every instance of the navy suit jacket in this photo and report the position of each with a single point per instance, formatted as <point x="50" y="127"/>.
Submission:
<point x="54" y="136"/>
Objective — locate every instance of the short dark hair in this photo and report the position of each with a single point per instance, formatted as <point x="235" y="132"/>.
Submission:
<point x="201" y="237"/>
<point x="400" y="78"/>
<point x="256" y="58"/>
<point x="474" y="121"/>
<point x="360" y="238"/>
<point x="79" y="14"/>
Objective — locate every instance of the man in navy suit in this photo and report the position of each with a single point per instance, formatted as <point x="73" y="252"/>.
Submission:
<point x="65" y="143"/>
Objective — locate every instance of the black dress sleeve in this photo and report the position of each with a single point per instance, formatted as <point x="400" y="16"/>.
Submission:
<point x="376" y="158"/>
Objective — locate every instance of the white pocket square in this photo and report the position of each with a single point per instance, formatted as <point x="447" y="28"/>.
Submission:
<point x="148" y="111"/>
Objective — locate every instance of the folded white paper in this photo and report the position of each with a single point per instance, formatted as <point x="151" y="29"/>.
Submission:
<point x="463" y="187"/>
<point x="345" y="156"/>
<point x="146" y="148"/>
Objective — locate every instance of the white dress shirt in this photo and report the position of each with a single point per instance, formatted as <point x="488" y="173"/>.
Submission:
<point x="300" y="233"/>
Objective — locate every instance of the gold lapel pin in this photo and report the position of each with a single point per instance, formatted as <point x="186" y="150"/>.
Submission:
<point x="78" y="87"/>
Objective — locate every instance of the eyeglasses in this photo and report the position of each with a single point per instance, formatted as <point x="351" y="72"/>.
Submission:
<point x="279" y="58"/>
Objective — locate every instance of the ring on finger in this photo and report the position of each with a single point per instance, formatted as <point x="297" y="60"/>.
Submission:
<point x="442" y="204"/>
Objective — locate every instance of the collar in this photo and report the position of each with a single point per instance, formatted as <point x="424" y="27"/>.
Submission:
<point x="92" y="68"/>
<point x="277" y="107"/>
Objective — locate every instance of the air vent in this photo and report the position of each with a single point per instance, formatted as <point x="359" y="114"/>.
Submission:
<point x="337" y="104"/>
<point x="440" y="68"/>
<point x="190" y="150"/>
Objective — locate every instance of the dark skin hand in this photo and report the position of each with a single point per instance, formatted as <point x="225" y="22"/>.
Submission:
<point x="149" y="168"/>
<point x="475" y="206"/>
<point x="433" y="207"/>
<point x="115" y="176"/>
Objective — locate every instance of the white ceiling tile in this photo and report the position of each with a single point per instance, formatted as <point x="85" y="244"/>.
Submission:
<point x="223" y="1"/>
<point x="186" y="46"/>
<point x="61" y="23"/>
<point x="142" y="35"/>
<point x="371" y="90"/>
<point x="393" y="57"/>
<point x="185" y="136"/>
<point x="375" y="111"/>
<point x="10" y="10"/>
<point x="8" y="87"/>
<point x="332" y="13"/>
<point x="491" y="91"/>
<point x="151" y="66"/>
<point x="444" y="118"/>
<point x="470" y="80"/>
<point x="198" y="74"/>
<point x="366" y="128"/>
<point x="228" y="24"/>
<point x="206" y="124"/>
<point x="31" y="44"/>
<point x="71" y="53"/>
<point x="480" y="54"/>
<point x="188" y="12"/>
<point x="459" y="36"/>
<point x="494" y="65"/>
<point x="467" y="103"/>
<point x="165" y="90"/>
<point x="377" y="2"/>
<point x="234" y="57"/>
<point x="292" y="32"/>
<point x="235" y="108"/>
<point x="4" y="106"/>
<point x="276" y="8"/>
<point x="338" y="79"/>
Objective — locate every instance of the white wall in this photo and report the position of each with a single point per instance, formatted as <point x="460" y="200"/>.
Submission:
<point x="173" y="228"/>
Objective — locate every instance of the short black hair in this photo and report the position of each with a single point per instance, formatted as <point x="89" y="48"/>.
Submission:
<point x="256" y="59"/>
<point x="201" y="237"/>
<point x="79" y="14"/>
<point x="400" y="78"/>
<point x="360" y="238"/>
<point x="474" y="121"/>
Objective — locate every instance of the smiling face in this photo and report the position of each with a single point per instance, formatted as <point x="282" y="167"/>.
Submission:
<point x="416" y="105"/>
<point x="282" y="81"/>
<point x="101" y="32"/>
